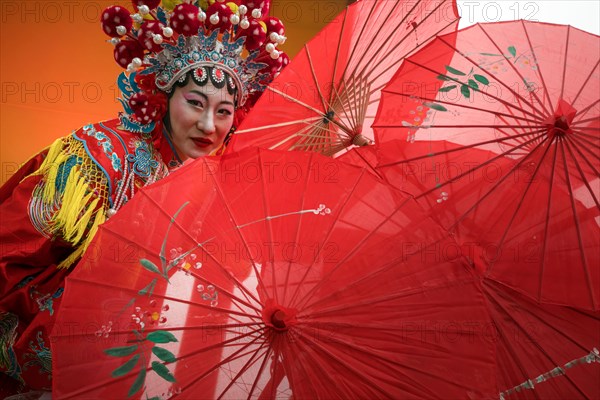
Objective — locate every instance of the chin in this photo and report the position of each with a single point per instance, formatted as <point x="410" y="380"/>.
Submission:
<point x="197" y="153"/>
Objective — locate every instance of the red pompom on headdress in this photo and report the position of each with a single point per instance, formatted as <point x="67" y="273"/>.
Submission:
<point x="218" y="16"/>
<point x="126" y="51"/>
<point x="116" y="21"/>
<point x="148" y="107"/>
<point x="185" y="19"/>
<point x="150" y="35"/>
<point x="254" y="34"/>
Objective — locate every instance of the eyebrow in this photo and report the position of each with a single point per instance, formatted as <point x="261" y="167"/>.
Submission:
<point x="206" y="97"/>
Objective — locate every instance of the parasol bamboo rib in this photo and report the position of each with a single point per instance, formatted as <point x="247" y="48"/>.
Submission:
<point x="311" y="344"/>
<point x="325" y="239"/>
<point x="298" y="227"/>
<point x="479" y="200"/>
<point x="361" y="376"/>
<point x="269" y="233"/>
<point x="378" y="88"/>
<point x="245" y="367"/>
<point x="315" y="127"/>
<point x="579" y="138"/>
<point x="578" y="230"/>
<point x="279" y="125"/>
<point x="235" y="281"/>
<point x="546" y="225"/>
<point x="581" y="173"/>
<point x="440" y="185"/>
<point x="108" y="380"/>
<point x="566" y="57"/>
<point x="356" y="42"/>
<point x="522" y="199"/>
<point x="492" y="297"/>
<point x="337" y="51"/>
<point x="407" y="160"/>
<point x="239" y="284"/>
<point x="315" y="80"/>
<point x="308" y="295"/>
<point x="389" y="266"/>
<point x="517" y="96"/>
<point x="506" y="339"/>
<point x="581" y="113"/>
<point x="582" y="121"/>
<point x="234" y="356"/>
<point x="507" y="104"/>
<point x="434" y="100"/>
<point x="546" y="111"/>
<point x="370" y="67"/>
<point x="585" y="82"/>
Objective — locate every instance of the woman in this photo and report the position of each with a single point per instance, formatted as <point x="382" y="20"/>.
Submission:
<point x="202" y="69"/>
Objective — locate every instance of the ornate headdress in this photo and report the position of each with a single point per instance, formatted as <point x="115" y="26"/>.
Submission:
<point x="160" y="44"/>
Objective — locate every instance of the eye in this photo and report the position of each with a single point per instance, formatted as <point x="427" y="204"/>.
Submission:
<point x="225" y="111"/>
<point x="195" y="103"/>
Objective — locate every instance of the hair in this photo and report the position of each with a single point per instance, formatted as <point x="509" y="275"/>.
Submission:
<point x="218" y="77"/>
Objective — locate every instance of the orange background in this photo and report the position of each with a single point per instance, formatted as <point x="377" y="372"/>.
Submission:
<point x="57" y="71"/>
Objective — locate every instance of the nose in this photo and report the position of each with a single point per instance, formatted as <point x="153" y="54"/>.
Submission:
<point x="206" y="123"/>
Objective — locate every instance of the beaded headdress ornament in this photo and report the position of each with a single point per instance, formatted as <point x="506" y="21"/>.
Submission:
<point x="160" y="43"/>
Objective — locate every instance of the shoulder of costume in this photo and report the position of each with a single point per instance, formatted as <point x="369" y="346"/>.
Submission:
<point x="117" y="152"/>
<point x="88" y="174"/>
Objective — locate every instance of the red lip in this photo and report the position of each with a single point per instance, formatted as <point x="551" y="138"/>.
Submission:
<point x="202" y="142"/>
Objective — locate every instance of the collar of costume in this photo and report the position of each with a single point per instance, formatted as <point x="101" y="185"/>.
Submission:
<point x="160" y="43"/>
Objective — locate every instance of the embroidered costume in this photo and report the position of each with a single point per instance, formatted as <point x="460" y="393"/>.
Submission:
<point x="50" y="211"/>
<point x="52" y="207"/>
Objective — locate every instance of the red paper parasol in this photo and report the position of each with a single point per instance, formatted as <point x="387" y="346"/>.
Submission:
<point x="325" y="100"/>
<point x="501" y="146"/>
<point x="272" y="275"/>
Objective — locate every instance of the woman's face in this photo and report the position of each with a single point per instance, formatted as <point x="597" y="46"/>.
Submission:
<point x="200" y="118"/>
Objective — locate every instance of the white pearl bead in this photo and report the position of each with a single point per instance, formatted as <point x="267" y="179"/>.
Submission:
<point x="245" y="23"/>
<point x="242" y="9"/>
<point x="235" y="19"/>
<point x="168" y="32"/>
<point x="274" y="36"/>
<point x="256" y="13"/>
<point x="281" y="39"/>
<point x="202" y="16"/>
<point x="115" y="41"/>
<point x="275" y="55"/>
<point x="157" y="39"/>
<point x="137" y="18"/>
<point x="121" y="30"/>
<point x="270" y="47"/>
<point x="136" y="62"/>
<point x="214" y="19"/>
<point x="144" y="9"/>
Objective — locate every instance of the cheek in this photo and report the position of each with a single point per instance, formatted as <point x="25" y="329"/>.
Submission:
<point x="225" y="125"/>
<point x="180" y="121"/>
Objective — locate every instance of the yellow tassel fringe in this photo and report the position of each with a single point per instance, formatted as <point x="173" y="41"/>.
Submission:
<point x="80" y="210"/>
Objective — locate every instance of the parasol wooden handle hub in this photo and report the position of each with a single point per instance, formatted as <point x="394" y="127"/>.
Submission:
<point x="559" y="124"/>
<point x="560" y="127"/>
<point x="360" y="140"/>
<point x="278" y="317"/>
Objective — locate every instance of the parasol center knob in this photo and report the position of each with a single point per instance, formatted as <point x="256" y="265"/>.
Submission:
<point x="278" y="319"/>
<point x="360" y="140"/>
<point x="561" y="126"/>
